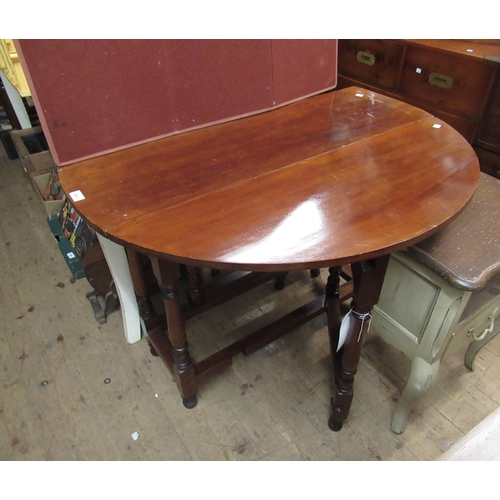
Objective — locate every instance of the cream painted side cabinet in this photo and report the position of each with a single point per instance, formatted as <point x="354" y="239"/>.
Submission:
<point x="424" y="316"/>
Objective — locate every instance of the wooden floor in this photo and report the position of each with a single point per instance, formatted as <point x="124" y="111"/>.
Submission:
<point x="272" y="405"/>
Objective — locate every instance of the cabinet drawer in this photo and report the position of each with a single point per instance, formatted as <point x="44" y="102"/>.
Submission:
<point x="488" y="318"/>
<point x="465" y="127"/>
<point x="375" y="62"/>
<point x="455" y="84"/>
<point x="490" y="134"/>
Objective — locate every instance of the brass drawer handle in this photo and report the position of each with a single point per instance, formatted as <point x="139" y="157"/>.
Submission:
<point x="441" y="81"/>
<point x="365" y="58"/>
<point x="491" y="317"/>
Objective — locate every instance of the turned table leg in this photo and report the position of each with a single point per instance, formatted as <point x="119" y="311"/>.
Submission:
<point x="196" y="294"/>
<point x="332" y="305"/>
<point x="141" y="288"/>
<point x="168" y="274"/>
<point x="368" y="277"/>
<point x="279" y="282"/>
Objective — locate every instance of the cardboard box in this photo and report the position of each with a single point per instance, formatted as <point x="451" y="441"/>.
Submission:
<point x="65" y="247"/>
<point x="40" y="163"/>
<point x="40" y="183"/>
<point x="28" y="141"/>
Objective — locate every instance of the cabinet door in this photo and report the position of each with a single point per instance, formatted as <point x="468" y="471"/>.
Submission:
<point x="456" y="84"/>
<point x="375" y="62"/>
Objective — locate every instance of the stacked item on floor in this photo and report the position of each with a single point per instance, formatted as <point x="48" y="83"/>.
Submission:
<point x="75" y="238"/>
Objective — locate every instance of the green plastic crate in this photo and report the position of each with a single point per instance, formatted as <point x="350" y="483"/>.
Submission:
<point x="66" y="248"/>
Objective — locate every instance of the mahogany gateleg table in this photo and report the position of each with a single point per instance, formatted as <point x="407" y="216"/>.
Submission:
<point x="341" y="178"/>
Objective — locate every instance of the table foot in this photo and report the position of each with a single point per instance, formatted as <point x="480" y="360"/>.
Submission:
<point x="190" y="402"/>
<point x="99" y="312"/>
<point x="335" y="422"/>
<point x="152" y="350"/>
<point x="334" y="425"/>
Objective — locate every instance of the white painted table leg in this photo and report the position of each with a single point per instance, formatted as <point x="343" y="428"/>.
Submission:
<point x="116" y="258"/>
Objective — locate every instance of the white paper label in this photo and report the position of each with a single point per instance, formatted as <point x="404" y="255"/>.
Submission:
<point x="71" y="255"/>
<point x="344" y="328"/>
<point x="77" y="195"/>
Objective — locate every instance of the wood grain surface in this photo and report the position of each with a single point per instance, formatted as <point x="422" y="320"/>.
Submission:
<point x="328" y="180"/>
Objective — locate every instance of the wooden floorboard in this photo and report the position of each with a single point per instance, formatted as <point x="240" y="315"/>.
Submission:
<point x="271" y="405"/>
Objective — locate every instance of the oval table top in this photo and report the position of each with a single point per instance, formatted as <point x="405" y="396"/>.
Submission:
<point x="336" y="178"/>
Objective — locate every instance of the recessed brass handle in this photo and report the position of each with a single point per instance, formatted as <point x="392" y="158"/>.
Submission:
<point x="441" y="81"/>
<point x="365" y="58"/>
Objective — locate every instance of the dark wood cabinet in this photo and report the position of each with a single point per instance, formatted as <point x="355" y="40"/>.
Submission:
<point x="455" y="80"/>
<point x="487" y="145"/>
<point x="376" y="62"/>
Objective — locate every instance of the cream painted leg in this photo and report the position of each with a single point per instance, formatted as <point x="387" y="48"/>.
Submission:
<point x="421" y="377"/>
<point x="116" y="258"/>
